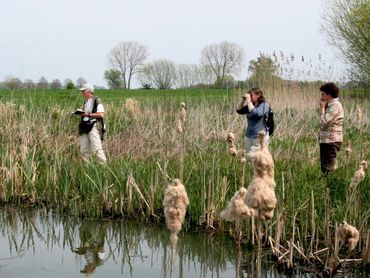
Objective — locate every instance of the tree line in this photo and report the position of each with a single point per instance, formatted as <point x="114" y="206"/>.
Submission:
<point x="345" y="22"/>
<point x="12" y="82"/>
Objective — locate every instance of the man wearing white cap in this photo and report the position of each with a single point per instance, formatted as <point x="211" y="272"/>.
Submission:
<point x="90" y="124"/>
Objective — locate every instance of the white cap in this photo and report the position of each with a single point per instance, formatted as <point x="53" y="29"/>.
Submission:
<point x="87" y="86"/>
<point x="101" y="255"/>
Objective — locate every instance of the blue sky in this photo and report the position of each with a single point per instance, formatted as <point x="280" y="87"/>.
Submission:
<point x="70" y="39"/>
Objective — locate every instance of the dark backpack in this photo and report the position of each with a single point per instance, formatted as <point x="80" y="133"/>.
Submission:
<point x="100" y="121"/>
<point x="269" y="121"/>
<point x="86" y="127"/>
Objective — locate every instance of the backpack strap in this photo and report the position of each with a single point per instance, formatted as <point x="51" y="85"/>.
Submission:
<point x="265" y="116"/>
<point x="97" y="101"/>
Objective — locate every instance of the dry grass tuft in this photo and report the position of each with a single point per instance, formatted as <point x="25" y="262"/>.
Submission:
<point x="132" y="107"/>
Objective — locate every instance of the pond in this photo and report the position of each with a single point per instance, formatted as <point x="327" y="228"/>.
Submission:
<point x="37" y="243"/>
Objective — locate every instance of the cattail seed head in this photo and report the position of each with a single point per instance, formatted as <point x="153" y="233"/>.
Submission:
<point x="359" y="175"/>
<point x="175" y="203"/>
<point x="348" y="150"/>
<point x="348" y="235"/>
<point x="182" y="112"/>
<point x="236" y="208"/>
<point x="179" y="127"/>
<point x="358" y="116"/>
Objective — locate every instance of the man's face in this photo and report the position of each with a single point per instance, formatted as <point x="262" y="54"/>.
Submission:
<point x="86" y="94"/>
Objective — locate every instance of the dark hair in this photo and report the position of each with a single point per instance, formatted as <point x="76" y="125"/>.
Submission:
<point x="258" y="92"/>
<point x="330" y="89"/>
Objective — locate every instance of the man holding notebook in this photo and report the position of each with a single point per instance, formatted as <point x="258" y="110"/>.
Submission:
<point x="90" y="125"/>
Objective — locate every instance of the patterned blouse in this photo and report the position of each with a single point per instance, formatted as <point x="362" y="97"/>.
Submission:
<point x="331" y="123"/>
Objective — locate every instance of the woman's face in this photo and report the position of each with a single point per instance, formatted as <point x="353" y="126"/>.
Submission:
<point x="254" y="98"/>
<point x="325" y="97"/>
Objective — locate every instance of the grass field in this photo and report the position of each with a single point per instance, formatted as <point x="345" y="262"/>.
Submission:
<point x="40" y="161"/>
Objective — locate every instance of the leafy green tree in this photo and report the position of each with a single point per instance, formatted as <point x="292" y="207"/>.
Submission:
<point x="347" y="26"/>
<point x="113" y="78"/>
<point x="68" y="84"/>
<point x="12" y="82"/>
<point x="264" y="71"/>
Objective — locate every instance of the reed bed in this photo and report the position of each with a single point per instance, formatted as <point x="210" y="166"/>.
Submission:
<point x="40" y="162"/>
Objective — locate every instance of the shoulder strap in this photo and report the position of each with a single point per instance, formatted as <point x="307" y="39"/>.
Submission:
<point x="97" y="101"/>
<point x="265" y="116"/>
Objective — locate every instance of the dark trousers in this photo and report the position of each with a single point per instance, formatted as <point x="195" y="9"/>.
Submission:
<point x="328" y="156"/>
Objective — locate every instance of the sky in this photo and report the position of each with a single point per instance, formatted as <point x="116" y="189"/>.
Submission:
<point x="71" y="38"/>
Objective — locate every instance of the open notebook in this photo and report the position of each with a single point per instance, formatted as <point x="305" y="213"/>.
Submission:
<point x="78" y="112"/>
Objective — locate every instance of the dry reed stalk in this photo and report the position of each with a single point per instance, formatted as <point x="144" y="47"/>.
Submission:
<point x="336" y="245"/>
<point x="327" y="213"/>
<point x="238" y="263"/>
<point x="366" y="254"/>
<point x="281" y="223"/>
<point x="243" y="161"/>
<point x="180" y="130"/>
<point x="291" y="242"/>
<point x="300" y="251"/>
<point x="313" y="222"/>
<point x="136" y="187"/>
<point x="224" y="189"/>
<point x="129" y="192"/>
<point x="253" y="230"/>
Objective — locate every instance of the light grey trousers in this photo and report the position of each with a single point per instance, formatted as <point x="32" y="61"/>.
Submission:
<point x="251" y="142"/>
<point x="90" y="143"/>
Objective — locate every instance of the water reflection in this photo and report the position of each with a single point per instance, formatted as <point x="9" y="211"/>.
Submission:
<point x="40" y="244"/>
<point x="92" y="238"/>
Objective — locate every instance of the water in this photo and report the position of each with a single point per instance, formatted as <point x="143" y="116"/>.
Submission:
<point x="35" y="243"/>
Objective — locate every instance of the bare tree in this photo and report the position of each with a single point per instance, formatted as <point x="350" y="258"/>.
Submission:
<point x="80" y="82"/>
<point x="127" y="57"/>
<point x="43" y="84"/>
<point x="187" y="75"/>
<point x="160" y="74"/>
<point x="29" y="84"/>
<point x="206" y="75"/>
<point x="224" y="58"/>
<point x="55" y="84"/>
